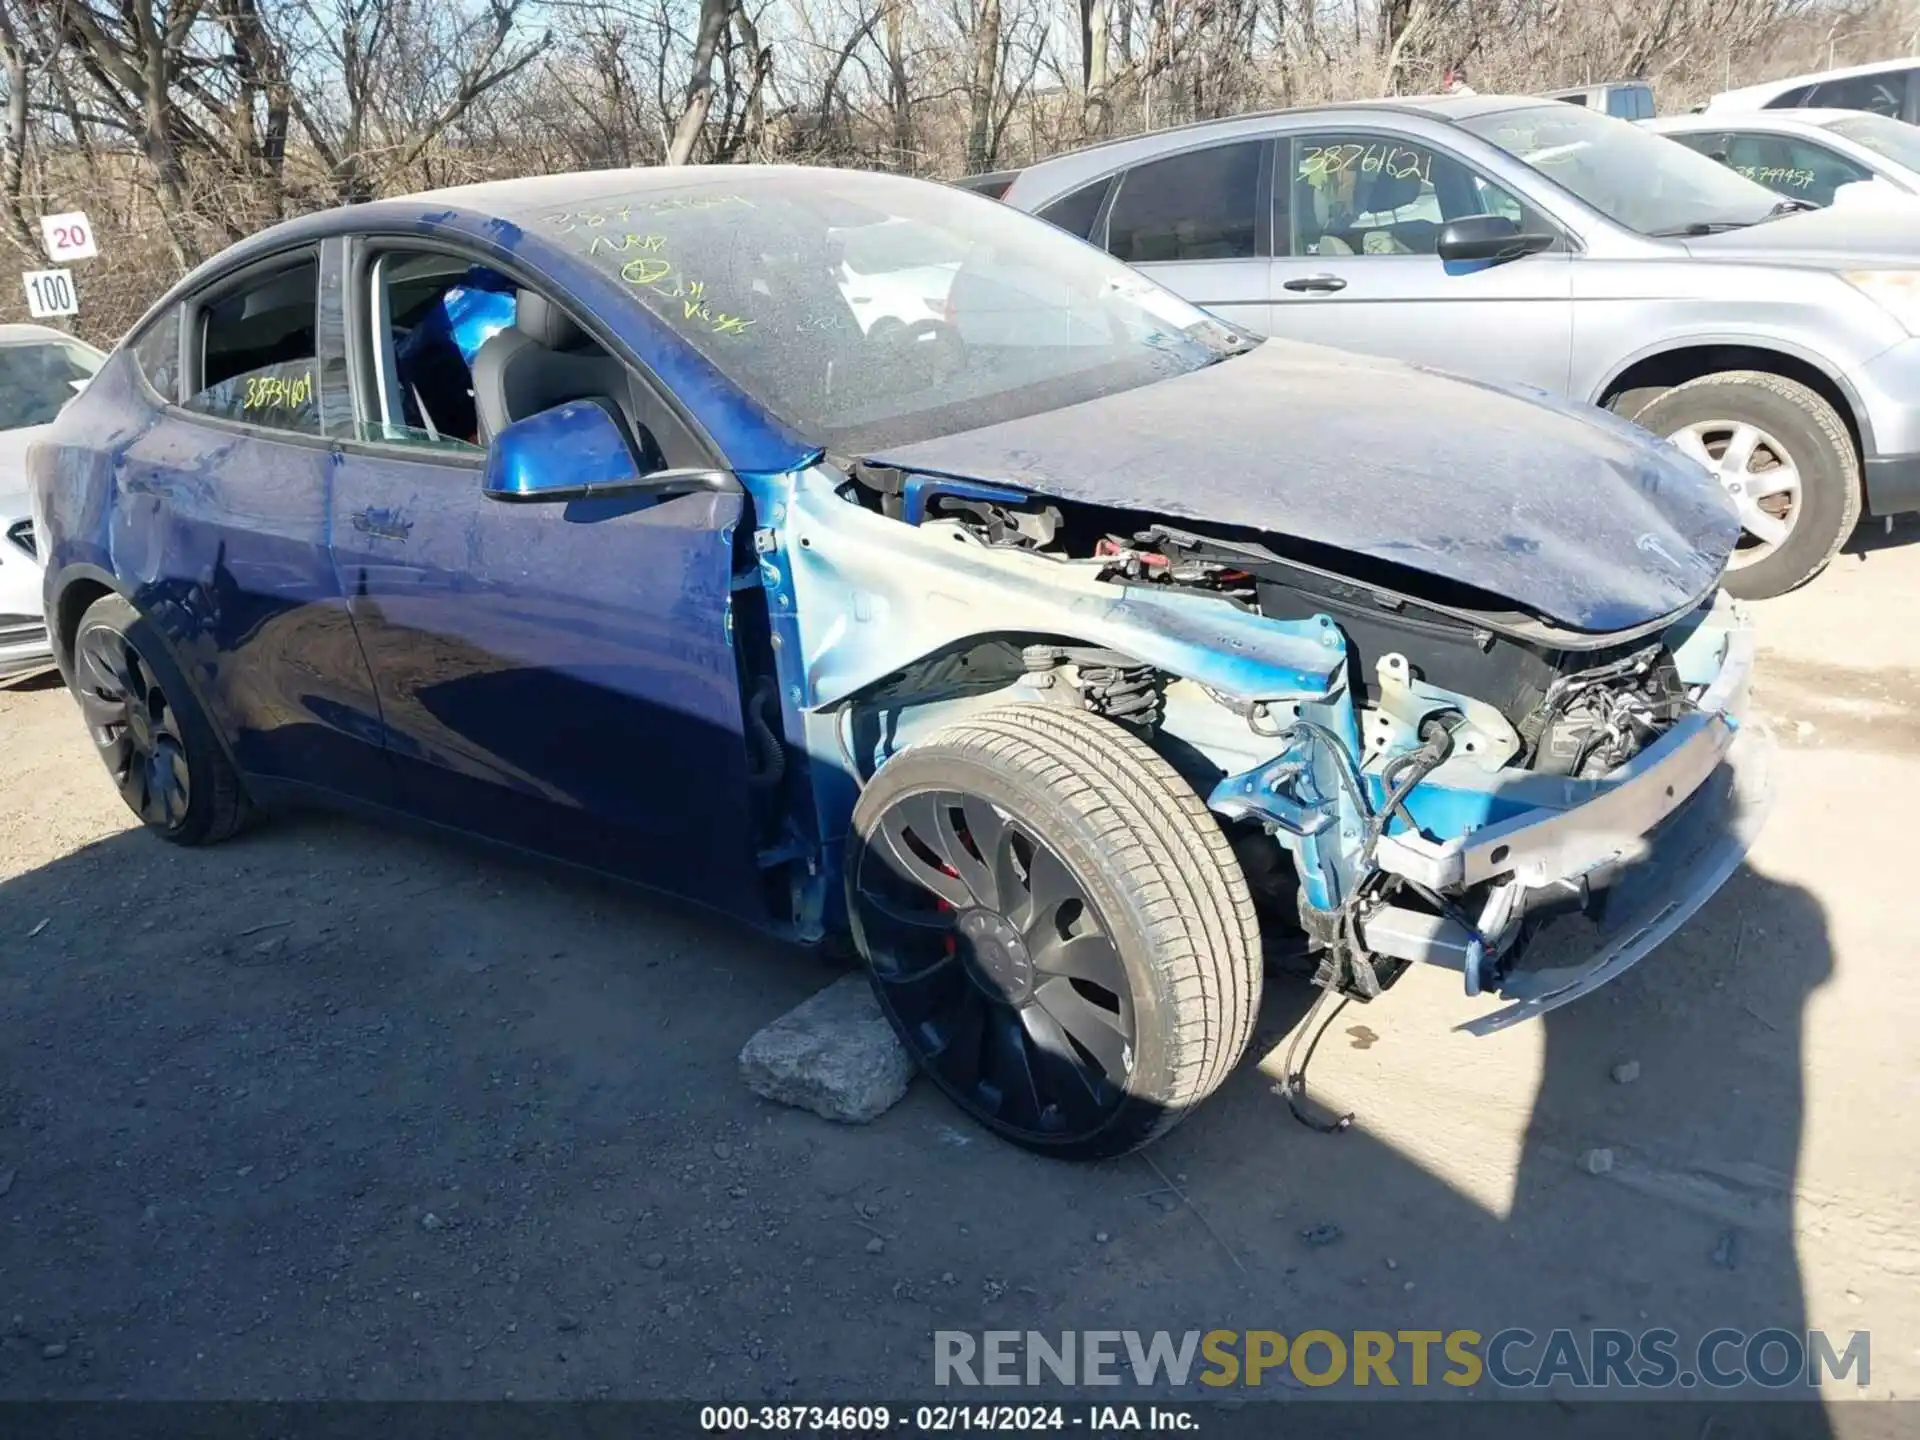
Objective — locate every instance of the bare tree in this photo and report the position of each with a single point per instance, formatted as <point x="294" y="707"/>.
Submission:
<point x="180" y="125"/>
<point x="983" y="80"/>
<point x="714" y="15"/>
<point x="13" y="142"/>
<point x="397" y="95"/>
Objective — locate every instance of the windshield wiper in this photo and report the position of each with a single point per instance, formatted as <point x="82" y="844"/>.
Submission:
<point x="1702" y="227"/>
<point x="1788" y="206"/>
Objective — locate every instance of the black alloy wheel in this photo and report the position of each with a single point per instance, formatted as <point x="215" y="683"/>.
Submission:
<point x="996" y="966"/>
<point x="1055" y="926"/>
<point x="163" y="753"/>
<point x="135" y="727"/>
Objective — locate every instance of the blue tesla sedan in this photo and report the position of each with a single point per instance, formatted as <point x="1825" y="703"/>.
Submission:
<point x="862" y="558"/>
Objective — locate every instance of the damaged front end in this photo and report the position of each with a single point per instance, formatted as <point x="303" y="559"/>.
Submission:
<point x="1541" y="852"/>
<point x="1411" y="770"/>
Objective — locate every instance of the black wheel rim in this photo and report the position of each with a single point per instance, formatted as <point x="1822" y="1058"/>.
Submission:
<point x="134" y="726"/>
<point x="996" y="966"/>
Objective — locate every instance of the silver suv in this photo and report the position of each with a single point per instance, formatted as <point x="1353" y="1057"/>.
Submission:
<point x="1528" y="241"/>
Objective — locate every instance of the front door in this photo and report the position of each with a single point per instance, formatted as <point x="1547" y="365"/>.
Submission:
<point x="558" y="676"/>
<point x="1356" y="229"/>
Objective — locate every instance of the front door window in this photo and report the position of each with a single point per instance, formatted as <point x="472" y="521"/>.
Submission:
<point x="1368" y="194"/>
<point x="1792" y="167"/>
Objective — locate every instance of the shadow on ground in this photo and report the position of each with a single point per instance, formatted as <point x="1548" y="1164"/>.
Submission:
<point x="1876" y="534"/>
<point x="334" y="1112"/>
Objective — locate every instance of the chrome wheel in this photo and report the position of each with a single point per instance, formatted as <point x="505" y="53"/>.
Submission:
<point x="134" y="727"/>
<point x="996" y="966"/>
<point x="1758" y="475"/>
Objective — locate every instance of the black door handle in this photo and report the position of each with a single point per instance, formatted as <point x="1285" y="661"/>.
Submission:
<point x="1319" y="284"/>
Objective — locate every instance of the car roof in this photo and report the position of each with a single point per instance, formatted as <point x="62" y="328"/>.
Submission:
<point x="1844" y="72"/>
<point x="1795" y="119"/>
<point x="545" y="192"/>
<point x="987" y="179"/>
<point x="1596" y="85"/>
<point x="1448" y="109"/>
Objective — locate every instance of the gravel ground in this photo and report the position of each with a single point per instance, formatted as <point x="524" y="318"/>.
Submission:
<point x="334" y="1112"/>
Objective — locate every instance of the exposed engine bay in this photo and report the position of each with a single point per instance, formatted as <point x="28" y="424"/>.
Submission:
<point x="1454" y="703"/>
<point x="1579" y="705"/>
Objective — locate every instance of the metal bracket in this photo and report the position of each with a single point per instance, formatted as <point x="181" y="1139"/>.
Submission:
<point x="1259" y="794"/>
<point x="1394" y="724"/>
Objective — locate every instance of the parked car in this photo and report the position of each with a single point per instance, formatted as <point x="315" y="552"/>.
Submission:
<point x="1527" y="241"/>
<point x="1622" y="99"/>
<point x="1808" y="155"/>
<point x="41" y="369"/>
<point x="1884" y="87"/>
<point x="992" y="184"/>
<point x="1069" y="674"/>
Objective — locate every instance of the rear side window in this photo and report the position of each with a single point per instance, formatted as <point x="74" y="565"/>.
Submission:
<point x="257" y="353"/>
<point x="1793" y="99"/>
<point x="157" y="353"/>
<point x="1197" y="206"/>
<point x="1877" y="94"/>
<point x="1076" y="213"/>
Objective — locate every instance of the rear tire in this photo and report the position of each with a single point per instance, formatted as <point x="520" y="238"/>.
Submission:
<point x="1716" y="418"/>
<point x="1629" y="403"/>
<point x="1056" y="928"/>
<point x="156" y="742"/>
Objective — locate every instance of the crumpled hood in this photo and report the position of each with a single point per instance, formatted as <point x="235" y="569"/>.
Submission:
<point x="1571" y="514"/>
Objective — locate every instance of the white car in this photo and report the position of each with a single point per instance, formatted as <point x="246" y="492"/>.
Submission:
<point x="40" y="371"/>
<point x="1813" y="155"/>
<point x="1885" y="87"/>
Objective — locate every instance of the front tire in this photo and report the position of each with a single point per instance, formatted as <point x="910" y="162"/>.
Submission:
<point x="1784" y="457"/>
<point x="1056" y="928"/>
<point x="157" y="744"/>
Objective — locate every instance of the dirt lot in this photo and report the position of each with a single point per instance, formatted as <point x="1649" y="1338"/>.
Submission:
<point x="336" y="1112"/>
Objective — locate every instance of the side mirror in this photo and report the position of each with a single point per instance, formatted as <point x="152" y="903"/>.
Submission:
<point x="1488" y="237"/>
<point x="579" y="451"/>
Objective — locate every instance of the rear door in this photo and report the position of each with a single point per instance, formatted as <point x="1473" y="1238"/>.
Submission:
<point x="1199" y="223"/>
<point x="1357" y="218"/>
<point x="223" y="514"/>
<point x="559" y="677"/>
